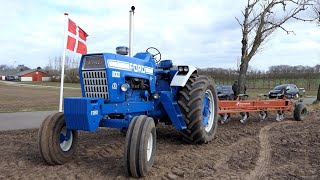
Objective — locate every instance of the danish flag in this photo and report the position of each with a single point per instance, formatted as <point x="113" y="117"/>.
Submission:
<point x="76" y="38"/>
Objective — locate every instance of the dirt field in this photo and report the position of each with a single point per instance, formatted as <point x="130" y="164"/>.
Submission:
<point x="15" y="98"/>
<point x="257" y="150"/>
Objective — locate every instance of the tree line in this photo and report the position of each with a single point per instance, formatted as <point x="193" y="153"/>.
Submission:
<point x="71" y="69"/>
<point x="303" y="76"/>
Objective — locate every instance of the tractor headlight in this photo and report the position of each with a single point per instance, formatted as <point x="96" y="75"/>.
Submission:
<point x="125" y="87"/>
<point x="183" y="69"/>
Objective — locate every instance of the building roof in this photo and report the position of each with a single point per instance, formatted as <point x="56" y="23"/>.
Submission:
<point x="30" y="71"/>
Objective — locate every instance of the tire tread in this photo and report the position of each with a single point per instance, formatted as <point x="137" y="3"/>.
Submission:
<point x="190" y="103"/>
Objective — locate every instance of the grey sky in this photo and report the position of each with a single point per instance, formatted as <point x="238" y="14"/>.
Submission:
<point x="200" y="33"/>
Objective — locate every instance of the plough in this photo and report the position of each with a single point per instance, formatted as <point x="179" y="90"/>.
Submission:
<point x="243" y="107"/>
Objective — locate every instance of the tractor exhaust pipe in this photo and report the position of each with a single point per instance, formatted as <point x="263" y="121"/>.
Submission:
<point x="131" y="13"/>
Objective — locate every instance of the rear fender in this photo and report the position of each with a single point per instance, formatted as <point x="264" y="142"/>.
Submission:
<point x="181" y="79"/>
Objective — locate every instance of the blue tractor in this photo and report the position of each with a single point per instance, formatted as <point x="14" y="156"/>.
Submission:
<point x="132" y="94"/>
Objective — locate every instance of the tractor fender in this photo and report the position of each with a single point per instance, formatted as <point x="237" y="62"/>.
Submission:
<point x="181" y="79"/>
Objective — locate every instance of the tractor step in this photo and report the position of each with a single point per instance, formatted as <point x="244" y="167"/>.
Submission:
<point x="173" y="110"/>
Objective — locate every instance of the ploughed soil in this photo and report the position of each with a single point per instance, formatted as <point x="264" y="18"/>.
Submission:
<point x="256" y="150"/>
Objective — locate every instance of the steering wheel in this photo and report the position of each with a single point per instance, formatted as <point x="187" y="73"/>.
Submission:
<point x="154" y="55"/>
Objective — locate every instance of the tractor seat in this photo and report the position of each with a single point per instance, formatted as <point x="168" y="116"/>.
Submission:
<point x="165" y="64"/>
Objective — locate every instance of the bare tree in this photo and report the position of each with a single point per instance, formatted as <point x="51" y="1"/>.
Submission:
<point x="260" y="19"/>
<point x="71" y="68"/>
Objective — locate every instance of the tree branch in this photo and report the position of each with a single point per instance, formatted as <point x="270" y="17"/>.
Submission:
<point x="264" y="23"/>
<point x="241" y="25"/>
<point x="281" y="27"/>
<point x="290" y="15"/>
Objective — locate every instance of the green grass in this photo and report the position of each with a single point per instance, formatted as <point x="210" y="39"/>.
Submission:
<point x="308" y="84"/>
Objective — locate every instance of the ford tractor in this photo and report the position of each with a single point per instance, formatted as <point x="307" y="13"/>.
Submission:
<point x="132" y="94"/>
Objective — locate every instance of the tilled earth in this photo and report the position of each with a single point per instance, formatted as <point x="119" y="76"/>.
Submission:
<point x="257" y="150"/>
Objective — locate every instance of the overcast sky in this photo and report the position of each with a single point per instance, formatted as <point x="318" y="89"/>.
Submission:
<point x="199" y="33"/>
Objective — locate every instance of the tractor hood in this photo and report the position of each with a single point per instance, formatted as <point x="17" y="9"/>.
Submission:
<point x="103" y="74"/>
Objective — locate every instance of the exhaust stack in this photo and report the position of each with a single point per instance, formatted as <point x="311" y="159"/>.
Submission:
<point x="131" y="14"/>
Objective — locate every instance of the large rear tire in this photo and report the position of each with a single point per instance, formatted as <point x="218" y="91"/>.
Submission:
<point x="57" y="144"/>
<point x="140" y="146"/>
<point x="198" y="103"/>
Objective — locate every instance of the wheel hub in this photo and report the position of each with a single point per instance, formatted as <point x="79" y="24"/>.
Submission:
<point x="149" y="147"/>
<point x="66" y="139"/>
<point x="208" y="110"/>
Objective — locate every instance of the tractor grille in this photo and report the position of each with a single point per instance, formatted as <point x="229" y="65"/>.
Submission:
<point x="95" y="84"/>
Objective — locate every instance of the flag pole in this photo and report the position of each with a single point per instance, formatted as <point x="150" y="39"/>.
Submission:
<point x="63" y="60"/>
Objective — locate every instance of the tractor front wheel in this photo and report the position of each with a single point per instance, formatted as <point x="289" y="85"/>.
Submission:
<point x="140" y="146"/>
<point x="57" y="144"/>
<point x="199" y="107"/>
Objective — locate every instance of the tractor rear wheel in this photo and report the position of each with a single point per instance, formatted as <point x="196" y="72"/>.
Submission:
<point x="140" y="146"/>
<point x="300" y="112"/>
<point x="57" y="144"/>
<point x="198" y="103"/>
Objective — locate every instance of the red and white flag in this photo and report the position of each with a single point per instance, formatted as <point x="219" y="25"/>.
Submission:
<point x="76" y="38"/>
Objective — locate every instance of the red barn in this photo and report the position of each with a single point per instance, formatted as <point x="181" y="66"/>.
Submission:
<point x="33" y="75"/>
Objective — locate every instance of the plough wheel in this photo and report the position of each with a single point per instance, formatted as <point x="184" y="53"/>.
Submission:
<point x="263" y="115"/>
<point x="57" y="144"/>
<point x="198" y="104"/>
<point x="224" y="118"/>
<point x="280" y="115"/>
<point x="140" y="146"/>
<point x="300" y="112"/>
<point x="244" y="117"/>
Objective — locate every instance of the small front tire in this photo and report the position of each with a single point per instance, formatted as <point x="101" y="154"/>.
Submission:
<point x="140" y="146"/>
<point x="57" y="144"/>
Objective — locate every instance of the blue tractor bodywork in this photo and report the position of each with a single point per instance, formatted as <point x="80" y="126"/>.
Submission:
<point x="115" y="88"/>
<point x="132" y="94"/>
